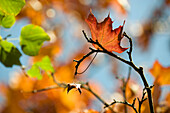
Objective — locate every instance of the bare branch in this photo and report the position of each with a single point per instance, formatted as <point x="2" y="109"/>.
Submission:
<point x="62" y="85"/>
<point x="87" y="87"/>
<point x="88" y="65"/>
<point x="79" y="61"/>
<point x="44" y="89"/>
<point x="131" y="46"/>
<point x="141" y="101"/>
<point x="139" y="70"/>
<point x="125" y="103"/>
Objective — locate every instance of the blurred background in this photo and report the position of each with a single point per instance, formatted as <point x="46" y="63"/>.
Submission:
<point x="147" y="23"/>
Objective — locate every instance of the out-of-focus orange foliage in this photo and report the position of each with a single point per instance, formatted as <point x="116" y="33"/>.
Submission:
<point x="167" y="2"/>
<point x="38" y="10"/>
<point x="17" y="96"/>
<point x="133" y="90"/>
<point x="156" y="93"/>
<point x="108" y="38"/>
<point x="57" y="100"/>
<point x="161" y="74"/>
<point x="168" y="99"/>
<point x="51" y="50"/>
<point x="89" y="111"/>
<point x="162" y="77"/>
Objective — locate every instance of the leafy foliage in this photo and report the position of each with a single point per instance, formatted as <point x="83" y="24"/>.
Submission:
<point x="45" y="64"/>
<point x="108" y="38"/>
<point x="161" y="74"/>
<point x="32" y="38"/>
<point x="8" y="10"/>
<point x="8" y="21"/>
<point x="11" y="7"/>
<point x="46" y="58"/>
<point x="9" y="54"/>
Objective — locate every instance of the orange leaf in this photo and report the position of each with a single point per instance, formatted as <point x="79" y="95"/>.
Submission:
<point x="161" y="74"/>
<point x="168" y="99"/>
<point x="90" y="111"/>
<point x="108" y="38"/>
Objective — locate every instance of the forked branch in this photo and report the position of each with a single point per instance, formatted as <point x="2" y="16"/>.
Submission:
<point x="139" y="70"/>
<point x="66" y="85"/>
<point x="126" y="103"/>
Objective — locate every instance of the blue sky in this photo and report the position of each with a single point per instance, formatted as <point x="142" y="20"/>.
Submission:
<point x="139" y="12"/>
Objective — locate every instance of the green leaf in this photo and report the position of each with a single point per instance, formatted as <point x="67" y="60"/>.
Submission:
<point x="11" y="7"/>
<point x="1" y="17"/>
<point x="8" y="21"/>
<point x="34" y="72"/>
<point x="32" y="38"/>
<point x="7" y="46"/>
<point x="44" y="64"/>
<point x="9" y="54"/>
<point x="1" y="13"/>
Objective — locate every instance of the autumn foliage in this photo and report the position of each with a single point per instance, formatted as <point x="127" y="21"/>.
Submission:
<point x="108" y="38"/>
<point x="63" y="69"/>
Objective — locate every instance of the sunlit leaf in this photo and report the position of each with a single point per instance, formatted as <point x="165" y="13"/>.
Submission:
<point x="161" y="74"/>
<point x="7" y="46"/>
<point x="11" y="7"/>
<point x="9" y="54"/>
<point x="34" y="72"/>
<point x="32" y="38"/>
<point x="108" y="38"/>
<point x="44" y="64"/>
<point x="8" y="21"/>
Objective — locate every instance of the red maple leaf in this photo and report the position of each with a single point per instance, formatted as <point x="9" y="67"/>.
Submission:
<point x="108" y="38"/>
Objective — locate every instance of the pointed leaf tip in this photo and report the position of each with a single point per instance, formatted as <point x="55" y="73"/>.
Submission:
<point x="108" y="38"/>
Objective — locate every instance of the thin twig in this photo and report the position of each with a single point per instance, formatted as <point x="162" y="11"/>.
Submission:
<point x="87" y="87"/>
<point x="141" y="101"/>
<point x="125" y="103"/>
<point x="124" y="87"/>
<point x="139" y="70"/>
<point x="88" y="65"/>
<point x="131" y="46"/>
<point x="45" y="89"/>
<point x="63" y="85"/>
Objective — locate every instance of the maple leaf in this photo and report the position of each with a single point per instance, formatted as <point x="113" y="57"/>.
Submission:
<point x="161" y="74"/>
<point x="108" y="38"/>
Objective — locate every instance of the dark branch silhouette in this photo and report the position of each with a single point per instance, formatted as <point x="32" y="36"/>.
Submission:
<point x="139" y="70"/>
